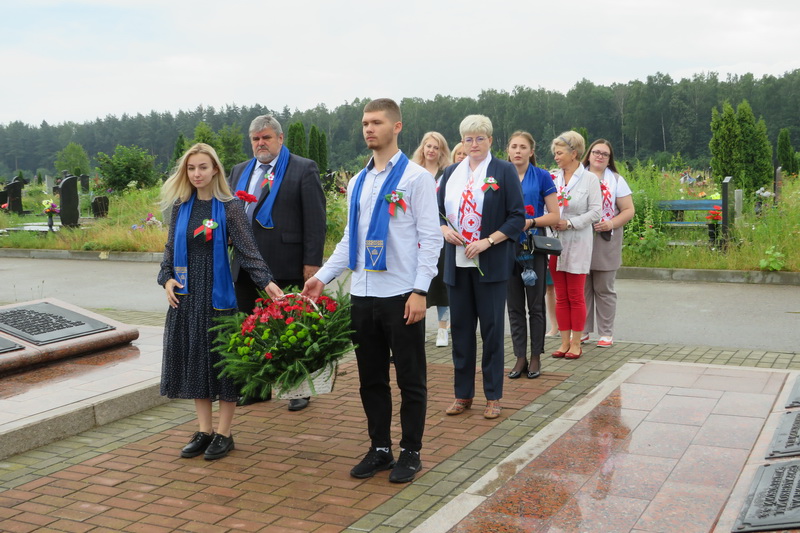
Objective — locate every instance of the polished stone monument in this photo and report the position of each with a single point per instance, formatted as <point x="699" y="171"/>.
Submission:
<point x="70" y="202"/>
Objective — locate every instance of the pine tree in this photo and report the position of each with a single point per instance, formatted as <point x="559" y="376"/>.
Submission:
<point x="296" y="141"/>
<point x="785" y="152"/>
<point x="755" y="149"/>
<point x="180" y="148"/>
<point x="323" y="152"/>
<point x="725" y="143"/>
<point x="313" y="144"/>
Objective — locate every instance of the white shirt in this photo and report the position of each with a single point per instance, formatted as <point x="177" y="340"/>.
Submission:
<point x="413" y="241"/>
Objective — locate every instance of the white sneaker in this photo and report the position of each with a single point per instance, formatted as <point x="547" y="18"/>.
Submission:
<point x="442" y="337"/>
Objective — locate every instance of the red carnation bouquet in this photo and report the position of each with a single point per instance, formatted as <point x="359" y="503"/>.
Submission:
<point x="291" y="344"/>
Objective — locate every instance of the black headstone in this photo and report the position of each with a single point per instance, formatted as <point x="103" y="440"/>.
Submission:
<point x="14" y="190"/>
<point x="773" y="502"/>
<point x="84" y="184"/>
<point x="786" y="440"/>
<point x="70" y="202"/>
<point x="3" y="197"/>
<point x="100" y="206"/>
<point x="45" y="323"/>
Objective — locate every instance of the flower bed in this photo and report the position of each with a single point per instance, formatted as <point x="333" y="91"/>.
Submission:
<point x="282" y="342"/>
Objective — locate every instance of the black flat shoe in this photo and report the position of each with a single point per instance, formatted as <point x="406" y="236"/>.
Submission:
<point x="197" y="445"/>
<point x="219" y="447"/>
<point x="515" y="374"/>
<point x="534" y="375"/>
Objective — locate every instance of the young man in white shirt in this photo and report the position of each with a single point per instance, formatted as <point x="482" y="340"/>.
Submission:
<point x="391" y="243"/>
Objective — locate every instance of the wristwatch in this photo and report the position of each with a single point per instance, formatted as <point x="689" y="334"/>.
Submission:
<point x="420" y="292"/>
<point x="491" y="241"/>
<point x="569" y="224"/>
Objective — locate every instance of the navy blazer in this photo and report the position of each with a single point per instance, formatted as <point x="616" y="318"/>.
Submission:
<point x="299" y="214"/>
<point x="503" y="210"/>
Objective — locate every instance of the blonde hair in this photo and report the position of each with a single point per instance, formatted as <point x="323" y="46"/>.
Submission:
<point x="179" y="188"/>
<point x="572" y="141"/>
<point x="475" y="124"/>
<point x="444" y="150"/>
<point x="454" y="153"/>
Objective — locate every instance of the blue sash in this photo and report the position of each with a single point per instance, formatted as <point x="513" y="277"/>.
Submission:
<point x="264" y="214"/>
<point x="375" y="258"/>
<point x="223" y="296"/>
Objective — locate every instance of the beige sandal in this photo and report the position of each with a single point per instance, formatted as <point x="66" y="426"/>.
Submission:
<point x="492" y="410"/>
<point x="459" y="406"/>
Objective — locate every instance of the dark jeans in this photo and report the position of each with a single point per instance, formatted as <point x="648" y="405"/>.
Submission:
<point x="518" y="295"/>
<point x="381" y="332"/>
<point x="471" y="300"/>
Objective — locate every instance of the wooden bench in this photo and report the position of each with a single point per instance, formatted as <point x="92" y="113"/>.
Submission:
<point x="680" y="206"/>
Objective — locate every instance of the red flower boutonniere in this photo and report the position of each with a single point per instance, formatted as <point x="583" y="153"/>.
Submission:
<point x="489" y="183"/>
<point x="530" y="211"/>
<point x="268" y="180"/>
<point x="207" y="227"/>
<point x="396" y="199"/>
<point x="246" y="197"/>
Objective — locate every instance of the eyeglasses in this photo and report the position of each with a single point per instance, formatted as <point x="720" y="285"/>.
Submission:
<point x="470" y="140"/>
<point x="598" y="153"/>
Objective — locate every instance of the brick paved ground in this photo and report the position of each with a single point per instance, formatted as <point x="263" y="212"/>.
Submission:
<point x="125" y="476"/>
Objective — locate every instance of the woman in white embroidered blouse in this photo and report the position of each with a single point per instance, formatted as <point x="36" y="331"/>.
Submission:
<point x="578" y="193"/>
<point x="617" y="209"/>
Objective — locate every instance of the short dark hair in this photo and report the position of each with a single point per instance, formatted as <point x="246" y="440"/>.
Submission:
<point x="387" y="105"/>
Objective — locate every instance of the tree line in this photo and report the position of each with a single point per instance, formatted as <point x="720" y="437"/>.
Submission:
<point x="652" y="119"/>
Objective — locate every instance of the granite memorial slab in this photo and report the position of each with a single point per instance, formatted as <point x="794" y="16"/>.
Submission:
<point x="50" y="329"/>
<point x="70" y="202"/>
<point x="794" y="396"/>
<point x="786" y="439"/>
<point x="7" y="345"/>
<point x="45" y="323"/>
<point x="100" y="206"/>
<point x="14" y="191"/>
<point x="773" y="501"/>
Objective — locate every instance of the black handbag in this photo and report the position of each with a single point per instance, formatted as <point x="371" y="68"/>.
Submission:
<point x="541" y="244"/>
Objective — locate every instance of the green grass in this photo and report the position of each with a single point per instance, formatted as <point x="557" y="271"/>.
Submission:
<point x="646" y="238"/>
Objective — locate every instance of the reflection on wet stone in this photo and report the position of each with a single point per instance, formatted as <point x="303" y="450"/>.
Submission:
<point x="44" y="323"/>
<point x="786" y="441"/>
<point x="773" y="502"/>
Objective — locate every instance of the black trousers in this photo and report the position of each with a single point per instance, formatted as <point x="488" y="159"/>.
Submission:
<point x="518" y="295"/>
<point x="247" y="291"/>
<point x="381" y="331"/>
<point x="471" y="300"/>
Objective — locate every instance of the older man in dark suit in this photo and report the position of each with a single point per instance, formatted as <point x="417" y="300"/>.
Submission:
<point x="288" y="217"/>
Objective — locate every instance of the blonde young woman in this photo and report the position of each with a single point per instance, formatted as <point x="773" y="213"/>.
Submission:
<point x="196" y="277"/>
<point x="459" y="153"/>
<point x="434" y="155"/>
<point x="617" y="210"/>
<point x="578" y="194"/>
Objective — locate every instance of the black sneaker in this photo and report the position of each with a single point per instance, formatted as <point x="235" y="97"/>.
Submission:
<point x="219" y="447"/>
<point x="197" y="445"/>
<point x="408" y="465"/>
<point x="372" y="463"/>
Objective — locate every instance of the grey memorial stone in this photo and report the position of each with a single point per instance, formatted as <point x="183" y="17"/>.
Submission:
<point x="45" y="323"/>
<point x="794" y="396"/>
<point x="49" y="182"/>
<point x="786" y="440"/>
<point x="70" y="202"/>
<point x="7" y="345"/>
<point x="100" y="206"/>
<point x="773" y="501"/>
<point x="14" y="191"/>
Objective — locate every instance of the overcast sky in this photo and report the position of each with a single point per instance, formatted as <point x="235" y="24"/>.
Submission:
<point x="80" y="60"/>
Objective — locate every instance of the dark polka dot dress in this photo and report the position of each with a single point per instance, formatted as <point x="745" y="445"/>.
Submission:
<point x="188" y="363"/>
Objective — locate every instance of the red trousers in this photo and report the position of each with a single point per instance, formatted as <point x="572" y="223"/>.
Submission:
<point x="570" y="302"/>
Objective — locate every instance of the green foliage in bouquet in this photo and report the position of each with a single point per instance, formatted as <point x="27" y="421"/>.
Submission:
<point x="282" y="342"/>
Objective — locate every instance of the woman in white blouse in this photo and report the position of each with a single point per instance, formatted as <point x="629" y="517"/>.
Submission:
<point x="579" y="200"/>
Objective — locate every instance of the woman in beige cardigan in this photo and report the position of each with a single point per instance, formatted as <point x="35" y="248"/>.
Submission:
<point x="579" y="200"/>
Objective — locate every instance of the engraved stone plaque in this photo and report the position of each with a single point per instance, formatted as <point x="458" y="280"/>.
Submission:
<point x="773" y="501"/>
<point x="8" y="346"/>
<point x="794" y="396"/>
<point x="786" y="441"/>
<point x="45" y="323"/>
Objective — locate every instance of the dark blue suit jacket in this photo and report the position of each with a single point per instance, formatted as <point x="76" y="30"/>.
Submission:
<point x="503" y="210"/>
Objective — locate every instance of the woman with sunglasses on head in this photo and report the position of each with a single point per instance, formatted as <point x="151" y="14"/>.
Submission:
<point x="617" y="210"/>
<point x="579" y="198"/>
<point x="538" y="191"/>
<point x="434" y="155"/>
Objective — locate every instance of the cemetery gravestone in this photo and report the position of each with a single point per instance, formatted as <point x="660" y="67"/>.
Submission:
<point x="100" y="206"/>
<point x="49" y="183"/>
<point x="14" y="191"/>
<point x="70" y="203"/>
<point x="84" y="184"/>
<point x="3" y="197"/>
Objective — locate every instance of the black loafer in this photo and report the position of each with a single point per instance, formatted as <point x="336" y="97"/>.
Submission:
<point x="298" y="404"/>
<point x="219" y="447"/>
<point x="197" y="445"/>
